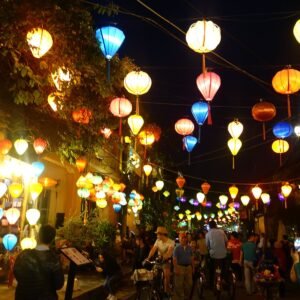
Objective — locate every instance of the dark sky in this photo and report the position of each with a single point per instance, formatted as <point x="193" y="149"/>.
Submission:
<point x="257" y="37"/>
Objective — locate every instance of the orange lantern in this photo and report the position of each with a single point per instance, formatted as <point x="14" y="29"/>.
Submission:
<point x="81" y="163"/>
<point x="5" y="146"/>
<point x="146" y="138"/>
<point x="205" y="186"/>
<point x="39" y="145"/>
<point x="155" y="129"/>
<point x="82" y="115"/>
<point x="263" y="112"/>
<point x="287" y="82"/>
<point x="184" y="126"/>
<point x="180" y="180"/>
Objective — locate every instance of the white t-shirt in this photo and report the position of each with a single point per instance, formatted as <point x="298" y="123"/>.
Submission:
<point x="163" y="247"/>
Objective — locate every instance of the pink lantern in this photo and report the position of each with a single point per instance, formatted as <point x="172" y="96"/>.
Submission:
<point x="184" y="126"/>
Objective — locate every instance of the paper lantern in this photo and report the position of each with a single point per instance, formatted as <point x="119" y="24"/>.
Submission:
<point x="180" y="216"/>
<point x="61" y="78"/>
<point x="297" y="130"/>
<point x="38" y="168"/>
<point x="198" y="216"/>
<point x="235" y="129"/>
<point x="147" y="169"/>
<point x="3" y="189"/>
<point x="184" y="126"/>
<point x="35" y="190"/>
<point x="137" y="82"/>
<point x="223" y="199"/>
<point x="12" y="215"/>
<point x="234" y="146"/>
<point x="176" y="208"/>
<point x="82" y="115"/>
<point x="21" y="146"/>
<point x="265" y="198"/>
<point x="32" y="216"/>
<point x="286" y="190"/>
<point x="28" y="243"/>
<point x="208" y="84"/>
<point x="135" y="123"/>
<point x="81" y="163"/>
<point x="287" y="82"/>
<point x="280" y="146"/>
<point x="5" y="146"/>
<point x="120" y="107"/>
<point x="166" y="194"/>
<point x="245" y="199"/>
<point x="282" y="130"/>
<point x="159" y="184"/>
<point x="200" y="197"/>
<point x="146" y="138"/>
<point x="39" y="145"/>
<point x="233" y="191"/>
<point x="189" y="143"/>
<point x="205" y="186"/>
<point x="180" y="180"/>
<point x="203" y="36"/>
<point x="39" y="41"/>
<point x="263" y="112"/>
<point x="15" y="190"/>
<point x="47" y="182"/>
<point x="200" y="112"/>
<point x="296" y="31"/>
<point x="55" y="101"/>
<point x="9" y="241"/>
<point x="117" y="207"/>
<point x="83" y="193"/>
<point x="256" y="191"/>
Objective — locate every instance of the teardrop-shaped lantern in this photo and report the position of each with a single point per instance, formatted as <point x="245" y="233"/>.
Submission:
<point x="120" y="107"/>
<point x="235" y="129"/>
<point x="245" y="199"/>
<point x="39" y="41"/>
<point x="12" y="215"/>
<point x="256" y="191"/>
<point x="234" y="146"/>
<point x="180" y="180"/>
<point x="265" y="198"/>
<point x="35" y="190"/>
<point x="184" y="126"/>
<point x="32" y="216"/>
<point x="189" y="143"/>
<point x="39" y="145"/>
<point x="200" y="112"/>
<point x="205" y="186"/>
<point x="233" y="191"/>
<point x="159" y="184"/>
<point x="282" y="130"/>
<point x="135" y="123"/>
<point x="147" y="169"/>
<point x="286" y="190"/>
<point x="9" y="241"/>
<point x="15" y="190"/>
<point x="200" y="197"/>
<point x="208" y="84"/>
<point x="38" y="168"/>
<point x="21" y="146"/>
<point x="81" y="163"/>
<point x="223" y="199"/>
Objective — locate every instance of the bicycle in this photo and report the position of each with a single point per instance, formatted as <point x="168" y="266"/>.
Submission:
<point x="199" y="281"/>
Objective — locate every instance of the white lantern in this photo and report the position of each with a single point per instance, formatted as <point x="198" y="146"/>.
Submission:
<point x="245" y="200"/>
<point x="32" y="216"/>
<point x="223" y="199"/>
<point x="39" y="41"/>
<point x="137" y="83"/>
<point x="200" y="197"/>
<point x="28" y="243"/>
<point x="12" y="215"/>
<point x="21" y="146"/>
<point x="235" y="129"/>
<point x="159" y="184"/>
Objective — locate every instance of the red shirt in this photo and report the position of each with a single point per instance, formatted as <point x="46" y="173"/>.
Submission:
<point x="234" y="245"/>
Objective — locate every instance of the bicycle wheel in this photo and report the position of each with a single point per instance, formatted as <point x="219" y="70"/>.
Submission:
<point x="232" y="287"/>
<point x="200" y="287"/>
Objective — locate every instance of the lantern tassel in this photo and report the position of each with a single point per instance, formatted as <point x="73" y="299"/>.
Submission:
<point x="108" y="71"/>
<point x="289" y="106"/>
<point x="264" y="131"/>
<point x="209" y="117"/>
<point x="199" y="133"/>
<point x="203" y="64"/>
<point x="137" y="105"/>
<point x="285" y="203"/>
<point x="233" y="165"/>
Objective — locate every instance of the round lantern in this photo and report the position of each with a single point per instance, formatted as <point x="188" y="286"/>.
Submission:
<point x="296" y="31"/>
<point x="120" y="107"/>
<point x="12" y="215"/>
<point x="200" y="197"/>
<point x="83" y="193"/>
<point x="297" y="130"/>
<point x="265" y="198"/>
<point x="146" y="138"/>
<point x="39" y="145"/>
<point x="233" y="191"/>
<point x="286" y="190"/>
<point x="245" y="199"/>
<point x="282" y="130"/>
<point x="263" y="112"/>
<point x="159" y="184"/>
<point x="81" y="163"/>
<point x="21" y="146"/>
<point x="208" y="84"/>
<point x="287" y="82"/>
<point x="35" y="190"/>
<point x="9" y="241"/>
<point x="223" y="199"/>
<point x="39" y="41"/>
<point x="205" y="186"/>
<point x="135" y="123"/>
<point x="28" y="243"/>
<point x="137" y="83"/>
<point x="184" y="126"/>
<point x="117" y="207"/>
<point x="3" y="189"/>
<point x="180" y="180"/>
<point x="15" y="190"/>
<point x="234" y="146"/>
<point x="32" y="216"/>
<point x="5" y="146"/>
<point x="82" y="115"/>
<point x="101" y="203"/>
<point x="200" y="112"/>
<point x="280" y="146"/>
<point x="38" y="168"/>
<point x="235" y="129"/>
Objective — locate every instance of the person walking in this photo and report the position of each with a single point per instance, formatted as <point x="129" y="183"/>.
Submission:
<point x="183" y="261"/>
<point x="38" y="271"/>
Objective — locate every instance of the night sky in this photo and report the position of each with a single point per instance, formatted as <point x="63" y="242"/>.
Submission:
<point x="256" y="37"/>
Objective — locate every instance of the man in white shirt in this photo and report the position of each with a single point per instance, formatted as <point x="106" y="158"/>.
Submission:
<point x="164" y="246"/>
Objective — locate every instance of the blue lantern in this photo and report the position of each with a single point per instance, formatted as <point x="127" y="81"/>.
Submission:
<point x="117" y="207"/>
<point x="9" y="241"/>
<point x="110" y="39"/>
<point x="282" y="130"/>
<point x="189" y="143"/>
<point x="38" y="168"/>
<point x="200" y="111"/>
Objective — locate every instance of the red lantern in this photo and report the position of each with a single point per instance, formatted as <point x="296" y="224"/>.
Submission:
<point x="154" y="129"/>
<point x="120" y="107"/>
<point x="180" y="180"/>
<point x="5" y="146"/>
<point x="263" y="112"/>
<point x="82" y="115"/>
<point x="184" y="126"/>
<point x="208" y="84"/>
<point x="81" y="163"/>
<point x="39" y="145"/>
<point x="205" y="186"/>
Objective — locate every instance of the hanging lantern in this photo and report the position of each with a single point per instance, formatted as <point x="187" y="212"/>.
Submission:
<point x="200" y="113"/>
<point x="28" y="243"/>
<point x="32" y="216"/>
<point x="61" y="78"/>
<point x="15" y="190"/>
<point x="265" y="198"/>
<point x="280" y="146"/>
<point x="200" y="197"/>
<point x="5" y="146"/>
<point x="180" y="216"/>
<point x="110" y="39"/>
<point x="263" y="112"/>
<point x="55" y="101"/>
<point x="135" y="123"/>
<point x="9" y="241"/>
<point x="82" y="115"/>
<point x="286" y="190"/>
<point x="39" y="145"/>
<point x="205" y="186"/>
<point x="35" y="190"/>
<point x="117" y="207"/>
<point x="81" y="163"/>
<point x="256" y="191"/>
<point x="159" y="185"/>
<point x="166" y="194"/>
<point x="155" y="129"/>
<point x="234" y="146"/>
<point x="180" y="180"/>
<point x="83" y="193"/>
<point x="282" y="130"/>
<point x="120" y="107"/>
<point x="21" y="146"/>
<point x="184" y="126"/>
<point x="146" y="138"/>
<point x="101" y="203"/>
<point x="39" y="41"/>
<point x="38" y="168"/>
<point x="223" y="199"/>
<point x="296" y="31"/>
<point x="287" y="82"/>
<point x="198" y="216"/>
<point x="179" y="192"/>
<point x="176" y="208"/>
<point x="147" y="169"/>
<point x="297" y="130"/>
<point x="233" y="191"/>
<point x="3" y="189"/>
<point x="47" y="182"/>
<point x="235" y="129"/>
<point x="189" y="143"/>
<point x="12" y="215"/>
<point x="245" y="199"/>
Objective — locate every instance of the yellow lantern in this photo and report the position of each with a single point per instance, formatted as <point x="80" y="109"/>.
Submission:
<point x="187" y="212"/>
<point x="220" y="214"/>
<point x="137" y="82"/>
<point x="135" y="123"/>
<point x="28" y="243"/>
<point x="154" y="189"/>
<point x="235" y="129"/>
<point x="116" y="187"/>
<point x="15" y="190"/>
<point x="296" y="31"/>
<point x="180" y="216"/>
<point x="147" y="169"/>
<point x="245" y="199"/>
<point x="198" y="216"/>
<point x="159" y="185"/>
<point x="35" y="190"/>
<point x="12" y="215"/>
<point x="280" y="146"/>
<point x="21" y="146"/>
<point x="166" y="194"/>
<point x="189" y="217"/>
<point x="233" y="191"/>
<point x="286" y="189"/>
<point x="39" y="41"/>
<point x="223" y="199"/>
<point x="101" y="203"/>
<point x="32" y="216"/>
<point x="234" y="146"/>
<point x="146" y="138"/>
<point x="265" y="198"/>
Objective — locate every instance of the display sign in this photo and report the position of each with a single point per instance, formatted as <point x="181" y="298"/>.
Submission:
<point x="75" y="256"/>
